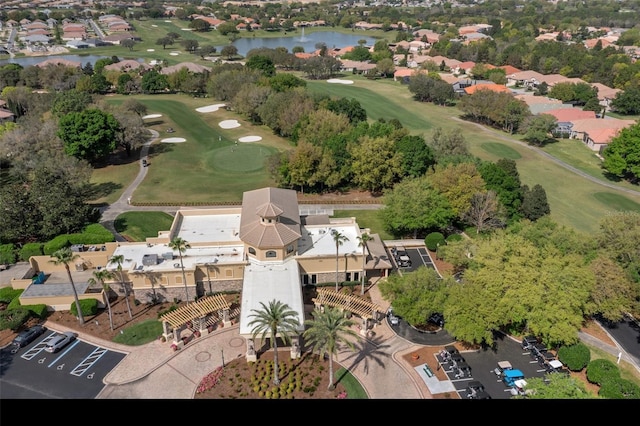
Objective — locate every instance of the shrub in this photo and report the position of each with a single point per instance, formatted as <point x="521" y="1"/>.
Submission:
<point x="13" y="318"/>
<point x="31" y="249"/>
<point x="166" y="311"/>
<point x="7" y="294"/>
<point x="600" y="370"/>
<point x="88" y="307"/>
<point x="618" y="388"/>
<point x="51" y="246"/>
<point x="7" y="253"/>
<point x="433" y="240"/>
<point x="454" y="237"/>
<point x="575" y="357"/>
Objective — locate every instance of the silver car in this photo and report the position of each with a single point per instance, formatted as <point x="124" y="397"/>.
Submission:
<point x="60" y="341"/>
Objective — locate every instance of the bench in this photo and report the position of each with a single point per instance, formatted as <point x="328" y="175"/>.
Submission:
<point x="427" y="371"/>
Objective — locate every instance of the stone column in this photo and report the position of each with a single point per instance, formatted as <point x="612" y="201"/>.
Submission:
<point x="225" y="318"/>
<point x="295" y="347"/>
<point x="251" y="352"/>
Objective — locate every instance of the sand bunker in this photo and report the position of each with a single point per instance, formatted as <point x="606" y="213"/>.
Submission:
<point x="151" y="50"/>
<point x="173" y="140"/>
<point x="152" y="116"/>
<point x="210" y="108"/>
<point x="229" y="124"/>
<point x="250" y="139"/>
<point x="168" y="21"/>
<point x="174" y="53"/>
<point x="154" y="25"/>
<point x="335" y="80"/>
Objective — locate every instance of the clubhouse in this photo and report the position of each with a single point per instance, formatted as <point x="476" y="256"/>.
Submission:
<point x="265" y="250"/>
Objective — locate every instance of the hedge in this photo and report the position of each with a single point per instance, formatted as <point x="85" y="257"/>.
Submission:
<point x="31" y="249"/>
<point x="7" y="254"/>
<point x="600" y="370"/>
<point x="88" y="307"/>
<point x="575" y="357"/>
<point x="7" y="294"/>
<point x="433" y="240"/>
<point x="92" y="235"/>
<point x="13" y="318"/>
<point x="618" y="388"/>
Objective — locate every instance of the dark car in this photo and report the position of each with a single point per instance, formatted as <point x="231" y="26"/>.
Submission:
<point x="29" y="335"/>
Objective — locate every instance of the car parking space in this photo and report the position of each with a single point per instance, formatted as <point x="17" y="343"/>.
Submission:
<point x="483" y="366"/>
<point x="408" y="259"/>
<point x="75" y="371"/>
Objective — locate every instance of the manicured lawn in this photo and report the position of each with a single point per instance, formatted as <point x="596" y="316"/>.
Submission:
<point x="211" y="166"/>
<point x="569" y="195"/>
<point x="575" y="153"/>
<point x="501" y="150"/>
<point x="137" y="226"/>
<point x="202" y="170"/>
<point x="366" y="219"/>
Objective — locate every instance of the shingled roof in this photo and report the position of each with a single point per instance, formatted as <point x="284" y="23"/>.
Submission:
<point x="270" y="218"/>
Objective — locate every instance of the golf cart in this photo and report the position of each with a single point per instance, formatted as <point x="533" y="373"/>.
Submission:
<point x="509" y="377"/>
<point x="502" y="367"/>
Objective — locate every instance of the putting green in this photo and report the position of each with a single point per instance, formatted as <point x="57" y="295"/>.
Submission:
<point x="240" y="158"/>
<point x="501" y="150"/>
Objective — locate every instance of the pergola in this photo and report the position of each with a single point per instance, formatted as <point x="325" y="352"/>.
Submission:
<point x="363" y="308"/>
<point x="206" y="311"/>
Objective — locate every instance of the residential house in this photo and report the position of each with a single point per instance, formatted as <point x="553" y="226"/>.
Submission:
<point x="529" y="79"/>
<point x="501" y="88"/>
<point x="128" y="65"/>
<point x="596" y="133"/>
<point x="358" y="67"/>
<point x="190" y="66"/>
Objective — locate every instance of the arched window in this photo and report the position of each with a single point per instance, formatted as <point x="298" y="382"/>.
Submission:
<point x="252" y="251"/>
<point x="271" y="253"/>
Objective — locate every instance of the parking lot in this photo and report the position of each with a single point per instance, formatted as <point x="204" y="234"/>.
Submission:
<point x="76" y="371"/>
<point x="417" y="256"/>
<point x="482" y="367"/>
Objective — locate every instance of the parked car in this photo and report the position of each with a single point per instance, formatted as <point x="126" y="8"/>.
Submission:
<point x="60" y="341"/>
<point x="476" y="390"/>
<point x="509" y="377"/>
<point x="29" y="335"/>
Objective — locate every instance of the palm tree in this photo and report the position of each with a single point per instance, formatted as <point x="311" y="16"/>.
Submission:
<point x="119" y="260"/>
<point x="325" y="331"/>
<point x="339" y="239"/>
<point x="66" y="256"/>
<point x="99" y="276"/>
<point x="181" y="245"/>
<point x="277" y="318"/>
<point x="364" y="238"/>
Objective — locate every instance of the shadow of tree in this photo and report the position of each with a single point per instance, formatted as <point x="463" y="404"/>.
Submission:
<point x="368" y="351"/>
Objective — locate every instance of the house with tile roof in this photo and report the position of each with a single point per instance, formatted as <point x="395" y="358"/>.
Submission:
<point x="596" y="133"/>
<point x="501" y="88"/>
<point x="190" y="66"/>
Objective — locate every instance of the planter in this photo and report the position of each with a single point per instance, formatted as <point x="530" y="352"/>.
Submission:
<point x="415" y="356"/>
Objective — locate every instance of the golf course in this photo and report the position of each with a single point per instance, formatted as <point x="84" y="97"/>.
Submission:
<point x="212" y="166"/>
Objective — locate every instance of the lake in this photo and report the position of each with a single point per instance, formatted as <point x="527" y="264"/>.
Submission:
<point x="308" y="42"/>
<point x="244" y="45"/>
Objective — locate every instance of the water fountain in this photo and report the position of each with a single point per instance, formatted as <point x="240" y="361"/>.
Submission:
<point x="302" y="37"/>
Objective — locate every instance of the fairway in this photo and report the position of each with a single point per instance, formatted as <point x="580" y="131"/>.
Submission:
<point x="616" y="202"/>
<point x="501" y="150"/>
<point x="240" y="158"/>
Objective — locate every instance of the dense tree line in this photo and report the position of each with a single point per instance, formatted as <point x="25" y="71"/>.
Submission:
<point x="533" y="276"/>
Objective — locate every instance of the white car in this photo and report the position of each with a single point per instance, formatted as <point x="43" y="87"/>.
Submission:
<point x="60" y="341"/>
